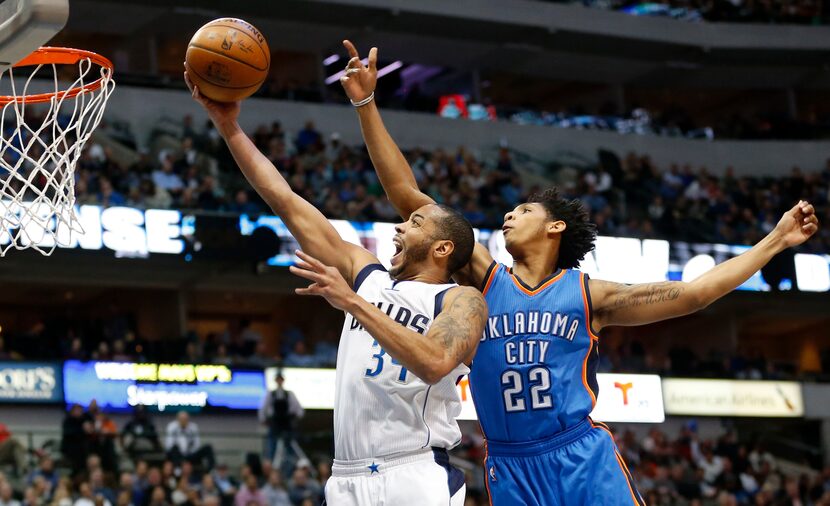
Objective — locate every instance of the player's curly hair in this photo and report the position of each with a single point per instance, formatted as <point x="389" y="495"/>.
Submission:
<point x="579" y="235"/>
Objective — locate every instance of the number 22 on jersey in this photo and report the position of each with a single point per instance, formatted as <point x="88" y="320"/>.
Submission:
<point x="538" y="386"/>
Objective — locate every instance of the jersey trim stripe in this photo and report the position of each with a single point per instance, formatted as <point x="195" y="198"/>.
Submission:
<point x="535" y="291"/>
<point x="364" y="273"/>
<point x="439" y="301"/>
<point x="487" y="274"/>
<point x="634" y="495"/>
<point x="486" y="473"/>
<point x="491" y="275"/>
<point x="589" y="307"/>
<point x="638" y="499"/>
<point x="538" y="285"/>
<point x="424" y="417"/>
<point x="585" y="375"/>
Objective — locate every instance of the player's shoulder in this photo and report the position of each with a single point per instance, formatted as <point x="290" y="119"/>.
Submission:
<point x="465" y="294"/>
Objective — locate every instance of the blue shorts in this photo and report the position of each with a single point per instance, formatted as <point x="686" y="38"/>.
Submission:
<point x="580" y="466"/>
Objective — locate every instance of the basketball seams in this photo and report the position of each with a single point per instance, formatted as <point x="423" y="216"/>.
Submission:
<point x="212" y="83"/>
<point x="213" y="51"/>
<point x="259" y="45"/>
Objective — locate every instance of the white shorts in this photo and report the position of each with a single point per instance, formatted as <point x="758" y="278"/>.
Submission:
<point x="424" y="478"/>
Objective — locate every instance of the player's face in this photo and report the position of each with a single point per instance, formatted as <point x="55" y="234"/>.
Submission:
<point x="413" y="241"/>
<point x="524" y="224"/>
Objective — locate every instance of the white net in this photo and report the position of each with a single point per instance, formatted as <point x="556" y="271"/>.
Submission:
<point x="44" y="126"/>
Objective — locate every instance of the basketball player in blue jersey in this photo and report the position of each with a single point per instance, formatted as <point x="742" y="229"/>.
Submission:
<point x="533" y="376"/>
<point x="407" y="338"/>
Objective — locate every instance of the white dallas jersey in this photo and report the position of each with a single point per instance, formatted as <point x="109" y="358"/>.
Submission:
<point x="380" y="408"/>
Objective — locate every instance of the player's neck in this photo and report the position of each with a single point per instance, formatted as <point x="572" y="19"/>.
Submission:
<point x="533" y="269"/>
<point x="425" y="275"/>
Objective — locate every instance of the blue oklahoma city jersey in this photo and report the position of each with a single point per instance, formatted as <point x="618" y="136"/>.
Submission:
<point x="534" y="374"/>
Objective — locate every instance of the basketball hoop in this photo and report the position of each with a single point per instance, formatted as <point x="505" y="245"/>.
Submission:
<point x="38" y="158"/>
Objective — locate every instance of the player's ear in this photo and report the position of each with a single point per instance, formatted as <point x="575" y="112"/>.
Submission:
<point x="443" y="249"/>
<point x="556" y="227"/>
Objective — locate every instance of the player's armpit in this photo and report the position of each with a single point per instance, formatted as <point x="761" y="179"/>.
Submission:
<point x="619" y="304"/>
<point x="459" y="326"/>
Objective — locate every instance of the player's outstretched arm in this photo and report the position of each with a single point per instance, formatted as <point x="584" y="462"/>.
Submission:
<point x="617" y="304"/>
<point x="393" y="170"/>
<point x="306" y="223"/>
<point x="451" y="340"/>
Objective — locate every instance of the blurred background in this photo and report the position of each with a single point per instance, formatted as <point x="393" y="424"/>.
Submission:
<point x="687" y="127"/>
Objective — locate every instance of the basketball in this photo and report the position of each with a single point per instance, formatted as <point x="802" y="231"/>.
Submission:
<point x="228" y="59"/>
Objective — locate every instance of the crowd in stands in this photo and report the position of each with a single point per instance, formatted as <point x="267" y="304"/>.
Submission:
<point x="115" y="338"/>
<point x="685" y="470"/>
<point x="671" y="122"/>
<point x="734" y="11"/>
<point x="147" y="470"/>
<point x="681" y="361"/>
<point x="723" y="471"/>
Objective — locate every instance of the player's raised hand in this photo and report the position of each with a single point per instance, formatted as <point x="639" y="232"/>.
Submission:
<point x="221" y="113"/>
<point x="327" y="282"/>
<point x="798" y="224"/>
<point x="360" y="80"/>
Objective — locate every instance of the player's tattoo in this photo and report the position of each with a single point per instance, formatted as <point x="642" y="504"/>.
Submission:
<point x="647" y="294"/>
<point x="458" y="328"/>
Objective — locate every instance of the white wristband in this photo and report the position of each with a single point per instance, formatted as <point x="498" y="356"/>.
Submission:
<point x="364" y="101"/>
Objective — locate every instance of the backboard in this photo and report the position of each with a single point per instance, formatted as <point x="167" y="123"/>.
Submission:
<point x="25" y="25"/>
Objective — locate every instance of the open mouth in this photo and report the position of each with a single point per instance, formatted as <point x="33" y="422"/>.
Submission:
<point x="398" y="256"/>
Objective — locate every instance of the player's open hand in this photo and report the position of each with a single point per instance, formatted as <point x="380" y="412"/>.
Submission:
<point x="359" y="80"/>
<point x="327" y="281"/>
<point x="221" y="113"/>
<point x="797" y="225"/>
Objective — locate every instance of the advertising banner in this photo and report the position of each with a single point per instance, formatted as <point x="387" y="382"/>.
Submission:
<point x="732" y="398"/>
<point x="120" y="386"/>
<point x="30" y="382"/>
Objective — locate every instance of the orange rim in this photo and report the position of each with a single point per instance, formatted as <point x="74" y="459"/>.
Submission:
<point x="60" y="56"/>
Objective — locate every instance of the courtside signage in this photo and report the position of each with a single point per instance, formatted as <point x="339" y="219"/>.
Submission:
<point x="120" y="386"/>
<point x="732" y="398"/>
<point x="622" y="398"/>
<point x="314" y="388"/>
<point x="30" y="382"/>
<point x="629" y="398"/>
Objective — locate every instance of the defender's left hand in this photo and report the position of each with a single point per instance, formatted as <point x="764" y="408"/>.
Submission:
<point x="327" y="281"/>
<point x="798" y="224"/>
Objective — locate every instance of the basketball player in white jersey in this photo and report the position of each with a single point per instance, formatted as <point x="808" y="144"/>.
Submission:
<point x="394" y="420"/>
